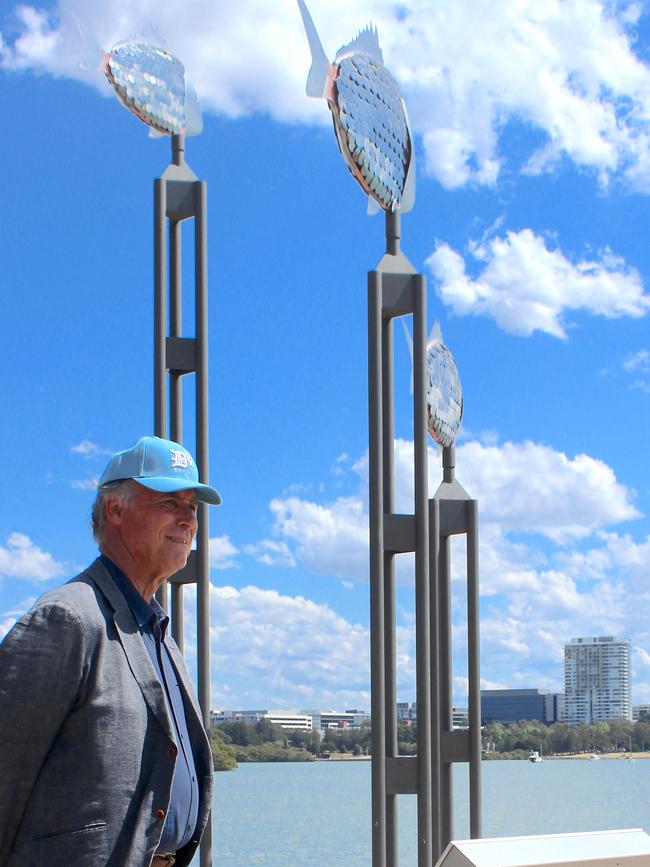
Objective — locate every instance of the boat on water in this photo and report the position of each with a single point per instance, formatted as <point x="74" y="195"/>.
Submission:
<point x="594" y="757"/>
<point x="534" y="756"/>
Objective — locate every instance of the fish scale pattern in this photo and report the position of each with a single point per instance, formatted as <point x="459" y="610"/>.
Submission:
<point x="371" y="127"/>
<point x="444" y="394"/>
<point x="151" y="83"/>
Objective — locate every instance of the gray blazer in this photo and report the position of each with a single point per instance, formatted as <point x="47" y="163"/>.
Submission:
<point x="87" y="749"/>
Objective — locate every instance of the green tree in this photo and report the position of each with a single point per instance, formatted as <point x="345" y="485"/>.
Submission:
<point x="620" y="731"/>
<point x="223" y="754"/>
<point x="641" y="734"/>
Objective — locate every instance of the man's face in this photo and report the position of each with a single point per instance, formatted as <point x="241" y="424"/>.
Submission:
<point x="157" y="529"/>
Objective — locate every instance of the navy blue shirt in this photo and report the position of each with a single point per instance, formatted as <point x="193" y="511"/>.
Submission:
<point x="184" y="802"/>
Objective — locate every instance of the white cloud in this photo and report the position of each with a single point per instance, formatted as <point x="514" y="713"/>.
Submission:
<point x="525" y="286"/>
<point x="89" y="449"/>
<point x="88" y="484"/>
<point x="273" y="650"/>
<point x="549" y="568"/>
<point x="222" y="552"/>
<point x="521" y="487"/>
<point x="271" y="553"/>
<point x="332" y="538"/>
<point x="566" y="69"/>
<point x="642" y="655"/>
<point x="8" y="618"/>
<point x="21" y="558"/>
<point x="638" y="361"/>
<point x="531" y="487"/>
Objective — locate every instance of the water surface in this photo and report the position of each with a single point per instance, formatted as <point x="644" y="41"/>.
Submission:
<point x="314" y="814"/>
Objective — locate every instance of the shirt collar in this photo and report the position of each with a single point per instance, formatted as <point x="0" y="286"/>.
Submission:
<point x="145" y="613"/>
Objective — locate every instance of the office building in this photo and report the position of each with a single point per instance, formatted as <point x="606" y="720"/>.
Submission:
<point x="407" y="714"/>
<point x="513" y="705"/>
<point x="639" y="711"/>
<point x="559" y="707"/>
<point x="324" y="720"/>
<point x="286" y="719"/>
<point x="597" y="679"/>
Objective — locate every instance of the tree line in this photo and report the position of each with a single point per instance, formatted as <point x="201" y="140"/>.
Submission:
<point x="264" y="741"/>
<point x="500" y="739"/>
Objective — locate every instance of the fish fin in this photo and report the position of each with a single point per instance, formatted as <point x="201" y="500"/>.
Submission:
<point x="435" y="335"/>
<point x="365" y="42"/>
<point x="373" y="206"/>
<point x="320" y="65"/>
<point x="193" y="115"/>
<point x="409" y="343"/>
<point x="408" y="196"/>
<point x="94" y="56"/>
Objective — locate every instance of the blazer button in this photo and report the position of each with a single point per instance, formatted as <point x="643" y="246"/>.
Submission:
<point x="160" y="814"/>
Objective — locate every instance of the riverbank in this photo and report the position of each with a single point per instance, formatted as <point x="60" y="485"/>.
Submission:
<point x="627" y="757"/>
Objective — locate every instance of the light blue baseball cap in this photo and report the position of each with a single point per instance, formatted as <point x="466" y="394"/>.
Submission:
<point x="161" y="465"/>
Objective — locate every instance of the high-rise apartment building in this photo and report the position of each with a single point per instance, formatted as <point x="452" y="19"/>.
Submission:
<point x="597" y="679"/>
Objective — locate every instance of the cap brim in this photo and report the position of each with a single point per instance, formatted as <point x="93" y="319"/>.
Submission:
<point x="204" y="493"/>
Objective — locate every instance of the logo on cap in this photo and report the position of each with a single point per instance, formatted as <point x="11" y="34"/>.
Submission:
<point x="180" y="459"/>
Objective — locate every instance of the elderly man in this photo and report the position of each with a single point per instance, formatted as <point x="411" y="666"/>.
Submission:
<point x="103" y="755"/>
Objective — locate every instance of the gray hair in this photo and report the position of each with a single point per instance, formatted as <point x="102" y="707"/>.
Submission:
<point x="121" y="488"/>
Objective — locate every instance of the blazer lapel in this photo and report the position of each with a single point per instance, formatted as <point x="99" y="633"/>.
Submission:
<point x="136" y="653"/>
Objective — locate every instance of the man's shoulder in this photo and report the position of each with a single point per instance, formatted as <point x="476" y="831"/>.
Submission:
<point x="81" y="596"/>
<point x="74" y="612"/>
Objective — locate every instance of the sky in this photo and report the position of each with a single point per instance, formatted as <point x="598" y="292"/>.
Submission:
<point x="531" y="125"/>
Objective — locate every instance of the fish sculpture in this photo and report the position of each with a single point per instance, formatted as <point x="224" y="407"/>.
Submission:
<point x="153" y="84"/>
<point x="444" y="393"/>
<point x="369" y="116"/>
<point x="443" y="390"/>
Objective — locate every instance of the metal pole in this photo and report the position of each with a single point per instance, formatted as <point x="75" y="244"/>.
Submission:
<point x="436" y="762"/>
<point x="202" y="456"/>
<point x="474" y="674"/>
<point x="422" y="632"/>
<point x="377" y="612"/>
<point x="389" y="583"/>
<point x="160" y="321"/>
<point x="178" y="149"/>
<point x="176" y="393"/>
<point x="393" y="232"/>
<point x="444" y="651"/>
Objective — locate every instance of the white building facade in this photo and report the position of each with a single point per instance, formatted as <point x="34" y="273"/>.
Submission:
<point x="286" y="719"/>
<point x="597" y="679"/>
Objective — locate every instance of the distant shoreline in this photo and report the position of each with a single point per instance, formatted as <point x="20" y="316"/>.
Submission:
<point x="347" y="757"/>
<point x="343" y="757"/>
<point x="589" y="756"/>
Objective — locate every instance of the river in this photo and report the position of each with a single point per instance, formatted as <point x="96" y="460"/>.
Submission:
<point x="314" y="814"/>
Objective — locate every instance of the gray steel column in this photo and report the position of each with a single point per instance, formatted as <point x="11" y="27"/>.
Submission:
<point x="474" y="672"/>
<point x="176" y="394"/>
<point x="202" y="457"/>
<point x="444" y="650"/>
<point x="395" y="289"/>
<point x="160" y="323"/>
<point x="390" y="649"/>
<point x="377" y="598"/>
<point x="436" y="664"/>
<point x="179" y="196"/>
<point x="422" y="632"/>
<point x="454" y="513"/>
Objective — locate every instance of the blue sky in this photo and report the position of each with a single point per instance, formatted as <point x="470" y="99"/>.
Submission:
<point x="532" y="130"/>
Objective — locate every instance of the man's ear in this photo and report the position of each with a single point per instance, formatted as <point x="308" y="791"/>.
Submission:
<point x="114" y="510"/>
